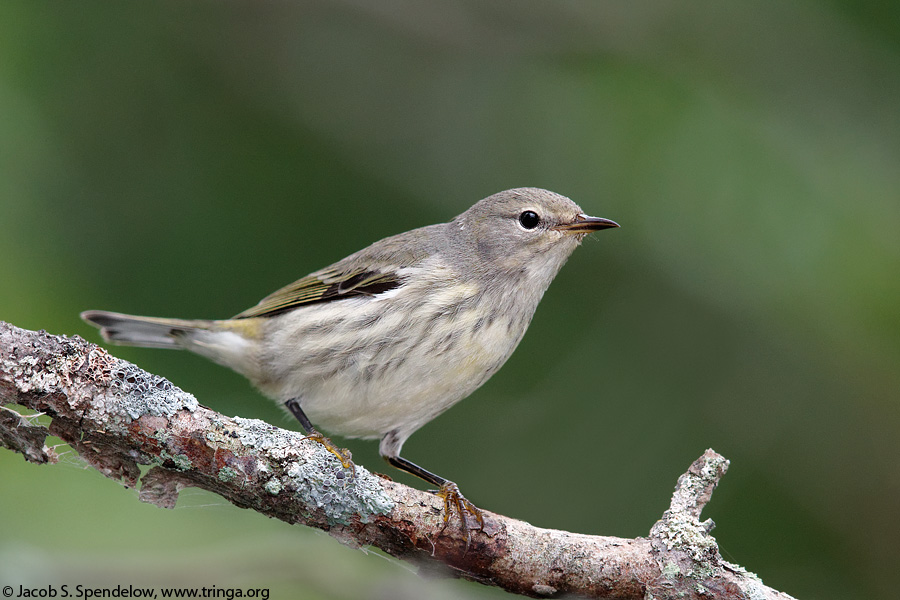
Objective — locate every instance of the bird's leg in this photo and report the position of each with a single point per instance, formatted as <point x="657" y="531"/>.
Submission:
<point x="447" y="491"/>
<point x="342" y="454"/>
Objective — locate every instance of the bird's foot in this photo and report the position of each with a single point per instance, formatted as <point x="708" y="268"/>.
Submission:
<point x="342" y="454"/>
<point x="454" y="501"/>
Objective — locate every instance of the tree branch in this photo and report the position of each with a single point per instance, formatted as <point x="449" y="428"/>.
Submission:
<point x="117" y="417"/>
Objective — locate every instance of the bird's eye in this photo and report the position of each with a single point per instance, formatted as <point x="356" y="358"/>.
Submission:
<point x="529" y="219"/>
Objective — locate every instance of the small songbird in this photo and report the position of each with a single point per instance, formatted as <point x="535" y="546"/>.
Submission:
<point x="383" y="341"/>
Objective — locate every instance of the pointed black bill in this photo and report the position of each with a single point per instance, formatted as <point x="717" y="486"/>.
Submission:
<point x="585" y="224"/>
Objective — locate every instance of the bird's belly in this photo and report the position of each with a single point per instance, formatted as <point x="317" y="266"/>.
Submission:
<point x="394" y="374"/>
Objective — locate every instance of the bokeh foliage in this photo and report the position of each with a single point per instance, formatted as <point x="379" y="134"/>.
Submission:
<point x="186" y="159"/>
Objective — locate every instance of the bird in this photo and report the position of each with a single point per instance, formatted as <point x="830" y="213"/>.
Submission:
<point x="381" y="342"/>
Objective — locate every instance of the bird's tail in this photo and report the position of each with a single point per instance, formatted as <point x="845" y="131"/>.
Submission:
<point x="148" y="332"/>
<point x="232" y="343"/>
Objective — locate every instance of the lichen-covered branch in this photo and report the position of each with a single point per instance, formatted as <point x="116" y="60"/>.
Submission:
<point x="117" y="416"/>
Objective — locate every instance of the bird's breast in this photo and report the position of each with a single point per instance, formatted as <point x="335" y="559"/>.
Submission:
<point x="369" y="365"/>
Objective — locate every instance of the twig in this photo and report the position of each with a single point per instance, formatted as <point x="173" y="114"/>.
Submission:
<point x="117" y="416"/>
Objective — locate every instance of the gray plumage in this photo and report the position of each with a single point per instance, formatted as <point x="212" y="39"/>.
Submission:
<point x="383" y="341"/>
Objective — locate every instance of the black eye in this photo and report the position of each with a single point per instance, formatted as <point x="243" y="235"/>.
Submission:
<point x="529" y="219"/>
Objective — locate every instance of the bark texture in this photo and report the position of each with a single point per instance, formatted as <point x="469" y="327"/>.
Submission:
<point x="117" y="417"/>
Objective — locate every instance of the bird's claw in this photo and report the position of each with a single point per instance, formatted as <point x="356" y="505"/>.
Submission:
<point x="342" y="454"/>
<point x="454" y="501"/>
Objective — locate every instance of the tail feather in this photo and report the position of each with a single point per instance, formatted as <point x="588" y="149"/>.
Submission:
<point x="229" y="343"/>
<point x="148" y="332"/>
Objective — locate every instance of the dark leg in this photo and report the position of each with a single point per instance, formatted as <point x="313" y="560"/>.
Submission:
<point x="294" y="406"/>
<point x="414" y="469"/>
<point x="342" y="454"/>
<point x="447" y="490"/>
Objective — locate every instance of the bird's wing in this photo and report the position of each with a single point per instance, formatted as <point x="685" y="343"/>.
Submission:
<point x="372" y="270"/>
<point x="322" y="286"/>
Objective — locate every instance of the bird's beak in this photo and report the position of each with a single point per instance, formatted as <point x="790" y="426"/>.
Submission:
<point x="585" y="224"/>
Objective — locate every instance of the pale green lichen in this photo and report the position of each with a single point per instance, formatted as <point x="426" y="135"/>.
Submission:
<point x="216" y="437"/>
<point x="182" y="462"/>
<point x="259" y="434"/>
<point x="140" y="393"/>
<point x="752" y="585"/>
<point x="683" y="532"/>
<point x="179" y="461"/>
<point x="319" y="479"/>
<point x="227" y="474"/>
<point x="273" y="486"/>
<point x="323" y="483"/>
<point x="670" y="569"/>
<point x="713" y="466"/>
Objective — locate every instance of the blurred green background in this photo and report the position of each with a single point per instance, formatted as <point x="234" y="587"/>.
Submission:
<point x="185" y="160"/>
